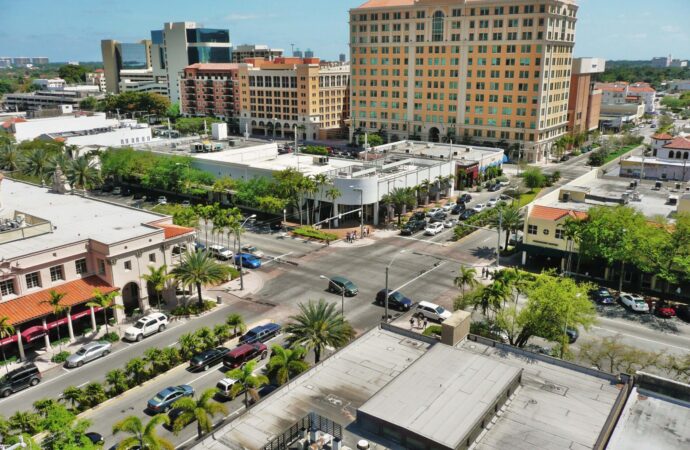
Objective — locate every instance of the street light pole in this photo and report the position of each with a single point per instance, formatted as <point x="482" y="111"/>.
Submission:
<point x="239" y="245"/>
<point x="342" y="294"/>
<point x="498" y="246"/>
<point x="385" y="304"/>
<point x="361" y="209"/>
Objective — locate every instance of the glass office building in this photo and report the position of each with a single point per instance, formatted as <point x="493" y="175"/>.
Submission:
<point x="207" y="36"/>
<point x="133" y="56"/>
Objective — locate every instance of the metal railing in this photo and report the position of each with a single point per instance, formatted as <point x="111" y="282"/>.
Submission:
<point x="311" y="421"/>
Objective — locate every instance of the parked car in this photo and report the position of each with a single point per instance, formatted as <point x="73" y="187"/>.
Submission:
<point x="138" y="196"/>
<point x="207" y="359"/>
<point x="466" y="214"/>
<point x="241" y="355"/>
<point x="432" y="311"/>
<point x="565" y="158"/>
<point x="418" y="215"/>
<point x="433" y="229"/>
<point x="494" y="187"/>
<point x="174" y="416"/>
<point x="448" y="206"/>
<point x="573" y="334"/>
<point x="683" y="312"/>
<point x="95" y="438"/>
<point x="247" y="260"/>
<point x="262" y="333"/>
<point x="504" y="183"/>
<point x="220" y="252"/>
<point x="163" y="401"/>
<point x="339" y="284"/>
<point x="18" y="379"/>
<point x="117" y="190"/>
<point x="458" y="208"/>
<point x="492" y="202"/>
<point x="479" y="207"/>
<point x="162" y="200"/>
<point x="603" y="296"/>
<point x="464" y="198"/>
<point x="89" y="352"/>
<point x="186" y="204"/>
<point x="146" y="326"/>
<point x="438" y="216"/>
<point x="413" y="226"/>
<point x="395" y="300"/>
<point x="663" y="309"/>
<point x="433" y="211"/>
<point x="224" y="387"/>
<point x="252" y="250"/>
<point x="634" y="302"/>
<point x="199" y="247"/>
<point x="450" y="223"/>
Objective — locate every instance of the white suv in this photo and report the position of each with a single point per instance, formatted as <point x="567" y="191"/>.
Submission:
<point x="146" y="326"/>
<point x="432" y="311"/>
<point x="433" y="228"/>
<point x="220" y="252"/>
<point x="634" y="302"/>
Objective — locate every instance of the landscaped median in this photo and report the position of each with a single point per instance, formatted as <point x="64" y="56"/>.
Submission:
<point x="312" y="233"/>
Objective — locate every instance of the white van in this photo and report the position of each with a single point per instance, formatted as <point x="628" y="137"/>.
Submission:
<point x="432" y="311"/>
<point x="220" y="252"/>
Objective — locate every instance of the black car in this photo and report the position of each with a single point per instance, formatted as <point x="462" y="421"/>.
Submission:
<point x="339" y="284"/>
<point x="458" y="208"/>
<point x="683" y="312"/>
<point x="603" y="296"/>
<point x="412" y="227"/>
<point x="395" y="300"/>
<point x="419" y="215"/>
<point x="438" y="216"/>
<point x="565" y="158"/>
<point x="494" y="187"/>
<point x="20" y="378"/>
<point x="261" y="333"/>
<point x="466" y="214"/>
<point x="572" y="335"/>
<point x="95" y="438"/>
<point x="207" y="359"/>
<point x="174" y="415"/>
<point x="138" y="196"/>
<point x="465" y="198"/>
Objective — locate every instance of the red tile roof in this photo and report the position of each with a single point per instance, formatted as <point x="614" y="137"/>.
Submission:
<point x="172" y="231"/>
<point x="28" y="307"/>
<point x="680" y="142"/>
<point x="8" y="123"/>
<point x="386" y="3"/>
<point x="549" y="213"/>
<point x="662" y="137"/>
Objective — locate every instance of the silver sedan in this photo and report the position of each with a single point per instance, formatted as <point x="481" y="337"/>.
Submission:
<point x="89" y="352"/>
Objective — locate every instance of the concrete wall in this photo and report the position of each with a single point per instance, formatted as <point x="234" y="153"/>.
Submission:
<point x="31" y="129"/>
<point x="116" y="138"/>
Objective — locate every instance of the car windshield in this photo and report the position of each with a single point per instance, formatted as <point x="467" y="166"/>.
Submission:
<point x="440" y="310"/>
<point x="222" y="249"/>
<point x="81" y="351"/>
<point x="349" y="285"/>
<point x="250" y="249"/>
<point x="139" y="324"/>
<point x="158" y="398"/>
<point x="639" y="301"/>
<point x="605" y="293"/>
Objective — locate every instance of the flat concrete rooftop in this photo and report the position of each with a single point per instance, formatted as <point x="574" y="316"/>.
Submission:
<point x="651" y="421"/>
<point x="74" y="218"/>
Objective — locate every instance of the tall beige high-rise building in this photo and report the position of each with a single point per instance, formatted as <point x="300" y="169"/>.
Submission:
<point x="467" y="70"/>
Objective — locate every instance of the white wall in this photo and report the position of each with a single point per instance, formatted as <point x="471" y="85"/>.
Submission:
<point x="116" y="138"/>
<point x="31" y="129"/>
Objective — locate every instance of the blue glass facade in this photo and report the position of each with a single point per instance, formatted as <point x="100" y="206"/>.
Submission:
<point x="208" y="55"/>
<point x="157" y="37"/>
<point x="133" y="56"/>
<point x="207" y="35"/>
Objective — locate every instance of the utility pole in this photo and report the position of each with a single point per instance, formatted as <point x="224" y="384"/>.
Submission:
<point x="498" y="247"/>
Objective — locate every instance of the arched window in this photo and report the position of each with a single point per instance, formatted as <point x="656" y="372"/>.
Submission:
<point x="437" y="26"/>
<point x="671" y="155"/>
<point x="685" y="155"/>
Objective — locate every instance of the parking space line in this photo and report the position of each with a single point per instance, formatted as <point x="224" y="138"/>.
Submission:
<point x="211" y="371"/>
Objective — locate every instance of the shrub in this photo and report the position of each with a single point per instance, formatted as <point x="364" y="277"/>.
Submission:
<point x="193" y="308"/>
<point x="111" y="337"/>
<point x="9" y="360"/>
<point x="233" y="273"/>
<point x="432" y="330"/>
<point x="311" y="232"/>
<point x="60" y="357"/>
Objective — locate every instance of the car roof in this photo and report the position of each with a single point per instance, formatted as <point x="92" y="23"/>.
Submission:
<point x="242" y="349"/>
<point x="429" y="304"/>
<point x="93" y="344"/>
<point x="169" y="390"/>
<point x="227" y="381"/>
<point x="340" y="279"/>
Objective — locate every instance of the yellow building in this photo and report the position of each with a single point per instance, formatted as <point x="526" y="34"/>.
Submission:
<point x="284" y="93"/>
<point x="479" y="70"/>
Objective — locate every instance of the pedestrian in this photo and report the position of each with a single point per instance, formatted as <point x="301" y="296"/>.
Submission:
<point x="349" y="237"/>
<point x="411" y="323"/>
<point x="425" y="322"/>
<point x="354" y="235"/>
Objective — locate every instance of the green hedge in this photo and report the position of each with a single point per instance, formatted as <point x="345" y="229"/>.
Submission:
<point x="433" y="330"/>
<point x="478" y="220"/>
<point x="60" y="357"/>
<point x="111" y="337"/>
<point x="311" y="232"/>
<point x="193" y="308"/>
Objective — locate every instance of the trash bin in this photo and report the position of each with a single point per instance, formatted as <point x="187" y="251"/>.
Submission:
<point x="218" y="299"/>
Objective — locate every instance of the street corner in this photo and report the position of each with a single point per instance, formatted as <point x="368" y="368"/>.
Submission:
<point x="250" y="283"/>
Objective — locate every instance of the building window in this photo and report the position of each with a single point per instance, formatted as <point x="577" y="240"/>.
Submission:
<point x="101" y="267"/>
<point x="7" y="287"/>
<point x="80" y="266"/>
<point x="437" y="26"/>
<point x="56" y="273"/>
<point x="128" y="265"/>
<point x="560" y="234"/>
<point x="532" y="229"/>
<point x="545" y="231"/>
<point x="33" y="280"/>
<point x="152" y="257"/>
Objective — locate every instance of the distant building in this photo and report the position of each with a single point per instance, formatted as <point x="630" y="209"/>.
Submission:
<point x="21" y="61"/>
<point x="308" y="53"/>
<point x="680" y="63"/>
<point x="97" y="78"/>
<point x="128" y="68"/>
<point x="32" y="101"/>
<point x="5" y="62"/>
<point x="181" y="44"/>
<point x="584" y="101"/>
<point x="210" y="90"/>
<point x="679" y="85"/>
<point x="620" y="93"/>
<point x="241" y="52"/>
<point x="342" y="58"/>
<point x="297" y="53"/>
<point x="39" y="60"/>
<point x="660" y="62"/>
<point x="52" y="84"/>
<point x="669" y="160"/>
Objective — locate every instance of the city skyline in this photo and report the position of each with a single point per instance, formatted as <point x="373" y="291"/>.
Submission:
<point x="629" y="24"/>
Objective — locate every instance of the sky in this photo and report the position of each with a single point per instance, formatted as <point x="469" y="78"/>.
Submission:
<point x="66" y="30"/>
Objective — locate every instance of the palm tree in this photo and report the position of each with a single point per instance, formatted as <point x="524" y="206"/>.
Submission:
<point x="307" y="186"/>
<point x="333" y="193"/>
<point x="44" y="405"/>
<point x="206" y="212"/>
<point x="246" y="382"/>
<point x="144" y="437"/>
<point x="199" y="269"/>
<point x="510" y="220"/>
<point x="467" y="276"/>
<point x="37" y="163"/>
<point x="104" y="301"/>
<point x="25" y="422"/>
<point x="82" y="173"/>
<point x="136" y="370"/>
<point x="6" y="330"/>
<point x="573" y="232"/>
<point x="237" y="323"/>
<point x="190" y="344"/>
<point x="222" y="333"/>
<point x="286" y="362"/>
<point x="54" y="302"/>
<point x="200" y="410"/>
<point x="424" y="189"/>
<point x="157" y="279"/>
<point x="117" y="380"/>
<point x="72" y="395"/>
<point x="319" y="325"/>
<point x="10" y="158"/>
<point x="321" y="181"/>
<point x="492" y="297"/>
<point x="400" y="198"/>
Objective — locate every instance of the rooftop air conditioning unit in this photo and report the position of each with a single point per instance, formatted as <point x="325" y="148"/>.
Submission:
<point x="429" y="145"/>
<point x="320" y="160"/>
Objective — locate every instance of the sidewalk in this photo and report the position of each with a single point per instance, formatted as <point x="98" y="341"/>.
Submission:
<point x="253" y="283"/>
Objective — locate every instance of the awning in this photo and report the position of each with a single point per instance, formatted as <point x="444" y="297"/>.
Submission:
<point x="31" y="306"/>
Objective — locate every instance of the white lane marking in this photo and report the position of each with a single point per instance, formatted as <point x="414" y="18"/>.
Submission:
<point x="84" y="384"/>
<point x="208" y="372"/>
<point x="419" y="276"/>
<point x="276" y="258"/>
<point x="632" y="336"/>
<point x="421" y="240"/>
